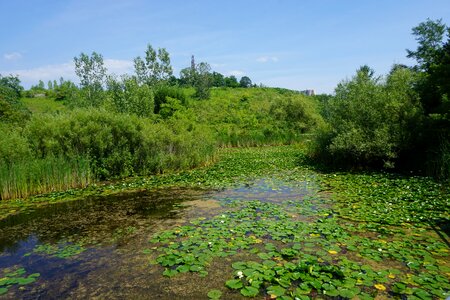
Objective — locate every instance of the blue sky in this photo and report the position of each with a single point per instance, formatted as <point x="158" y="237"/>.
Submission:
<point x="294" y="44"/>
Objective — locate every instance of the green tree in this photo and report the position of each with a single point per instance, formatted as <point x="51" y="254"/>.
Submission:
<point x="245" y="82"/>
<point x="203" y="80"/>
<point x="218" y="79"/>
<point x="433" y="65"/>
<point x="11" y="109"/>
<point x="154" y="68"/>
<point x="370" y="119"/>
<point x="430" y="37"/>
<point x="92" y="74"/>
<point x="13" y="83"/>
<point x="127" y="96"/>
<point x="231" y="81"/>
<point x="187" y="77"/>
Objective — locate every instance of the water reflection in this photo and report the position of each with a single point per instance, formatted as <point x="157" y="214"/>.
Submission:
<point x="94" y="247"/>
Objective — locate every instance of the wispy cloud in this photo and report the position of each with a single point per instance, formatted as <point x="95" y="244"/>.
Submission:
<point x="30" y="77"/>
<point x="119" y="66"/>
<point x="12" y="56"/>
<point x="236" y="73"/>
<point x="264" y="59"/>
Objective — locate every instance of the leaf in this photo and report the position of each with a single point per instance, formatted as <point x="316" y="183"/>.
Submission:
<point x="239" y="265"/>
<point x="195" y="268"/>
<point x="214" y="294"/>
<point x="3" y="290"/>
<point x="276" y="290"/>
<point x="183" y="268"/>
<point x="249" y="291"/>
<point x="170" y="272"/>
<point x="234" y="284"/>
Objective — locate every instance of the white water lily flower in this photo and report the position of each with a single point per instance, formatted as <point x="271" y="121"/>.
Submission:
<point x="240" y="274"/>
<point x="379" y="249"/>
<point x="222" y="221"/>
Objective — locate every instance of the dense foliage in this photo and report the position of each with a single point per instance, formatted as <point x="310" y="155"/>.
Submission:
<point x="399" y="120"/>
<point x="370" y="120"/>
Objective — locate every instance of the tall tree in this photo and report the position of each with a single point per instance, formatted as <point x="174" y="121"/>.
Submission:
<point x="430" y="36"/>
<point x="154" y="68"/>
<point x="92" y="73"/>
<point x="203" y="80"/>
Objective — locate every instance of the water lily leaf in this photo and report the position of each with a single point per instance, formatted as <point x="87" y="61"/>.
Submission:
<point x="214" y="294"/>
<point x="183" y="268"/>
<point x="249" y="291"/>
<point x="24" y="281"/>
<point x="195" y="268"/>
<point x="170" y="272"/>
<point x="234" y="284"/>
<point x="276" y="290"/>
<point x="239" y="265"/>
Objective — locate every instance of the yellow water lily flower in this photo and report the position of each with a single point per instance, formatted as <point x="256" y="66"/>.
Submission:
<point x="332" y="252"/>
<point x="380" y="287"/>
<point x="391" y="276"/>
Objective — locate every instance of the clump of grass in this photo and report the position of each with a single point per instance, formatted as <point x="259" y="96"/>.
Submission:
<point x="24" y="178"/>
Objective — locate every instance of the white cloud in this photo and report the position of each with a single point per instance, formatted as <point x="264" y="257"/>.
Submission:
<point x="264" y="59"/>
<point x="50" y="72"/>
<point x="30" y="77"/>
<point x="119" y="66"/>
<point x="12" y="56"/>
<point x="236" y="73"/>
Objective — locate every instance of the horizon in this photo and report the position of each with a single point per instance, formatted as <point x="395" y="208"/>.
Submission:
<point x="286" y="44"/>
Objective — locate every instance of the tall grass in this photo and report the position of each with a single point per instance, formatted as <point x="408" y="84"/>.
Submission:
<point x="24" y="178"/>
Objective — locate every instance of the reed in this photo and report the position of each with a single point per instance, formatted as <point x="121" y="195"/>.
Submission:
<point x="25" y="178"/>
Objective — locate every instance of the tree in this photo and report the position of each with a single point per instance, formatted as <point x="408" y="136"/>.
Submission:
<point x="231" y="81"/>
<point x="371" y="120"/>
<point x="245" y="82"/>
<point x="154" y="68"/>
<point x="433" y="66"/>
<point x="11" y="109"/>
<point x="13" y="83"/>
<point x="218" y="79"/>
<point x="203" y="80"/>
<point x="430" y="36"/>
<point x="92" y="74"/>
<point x="187" y="77"/>
<point x="127" y="96"/>
<point x="41" y="85"/>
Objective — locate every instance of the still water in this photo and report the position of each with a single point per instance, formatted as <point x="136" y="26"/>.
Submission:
<point x="94" y="248"/>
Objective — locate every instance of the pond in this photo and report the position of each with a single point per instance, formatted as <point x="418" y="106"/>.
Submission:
<point x="274" y="236"/>
<point x="94" y="247"/>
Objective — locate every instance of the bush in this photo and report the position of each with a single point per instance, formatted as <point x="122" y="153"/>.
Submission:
<point x="164" y="92"/>
<point x="118" y="145"/>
